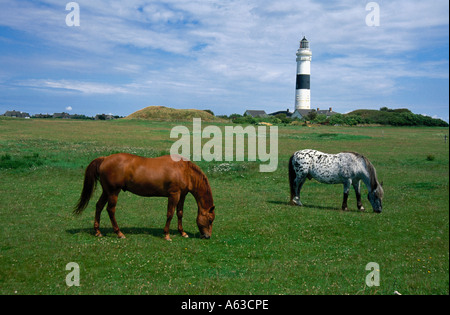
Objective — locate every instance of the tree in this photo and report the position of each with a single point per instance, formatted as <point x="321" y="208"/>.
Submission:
<point x="311" y="115"/>
<point x="320" y="119"/>
<point x="337" y="119"/>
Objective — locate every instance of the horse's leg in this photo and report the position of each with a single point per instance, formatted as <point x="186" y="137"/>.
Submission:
<point x="112" y="202"/>
<point x="173" y="202"/>
<point x="357" y="187"/>
<point x="346" y="192"/>
<point x="180" y="216"/>
<point x="98" y="211"/>
<point x="298" y="184"/>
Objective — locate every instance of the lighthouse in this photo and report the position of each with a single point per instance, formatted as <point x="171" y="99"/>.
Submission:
<point x="302" y="92"/>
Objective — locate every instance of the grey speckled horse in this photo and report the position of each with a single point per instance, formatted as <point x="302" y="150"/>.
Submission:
<point x="347" y="168"/>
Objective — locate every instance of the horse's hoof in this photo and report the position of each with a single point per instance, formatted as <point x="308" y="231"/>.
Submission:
<point x="362" y="209"/>
<point x="167" y="238"/>
<point x="98" y="234"/>
<point x="121" y="235"/>
<point x="345" y="209"/>
<point x="184" y="234"/>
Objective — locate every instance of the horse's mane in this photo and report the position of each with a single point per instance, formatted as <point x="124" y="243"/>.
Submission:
<point x="370" y="169"/>
<point x="200" y="178"/>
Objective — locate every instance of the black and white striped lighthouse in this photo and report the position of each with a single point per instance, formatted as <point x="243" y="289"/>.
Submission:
<point x="302" y="91"/>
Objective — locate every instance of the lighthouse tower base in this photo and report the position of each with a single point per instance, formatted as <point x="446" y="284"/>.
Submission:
<point x="302" y="99"/>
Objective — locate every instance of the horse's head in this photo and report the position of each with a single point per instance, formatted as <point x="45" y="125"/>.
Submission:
<point x="205" y="220"/>
<point x="375" y="197"/>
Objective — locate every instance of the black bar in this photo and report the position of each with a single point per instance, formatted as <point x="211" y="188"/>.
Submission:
<point x="303" y="82"/>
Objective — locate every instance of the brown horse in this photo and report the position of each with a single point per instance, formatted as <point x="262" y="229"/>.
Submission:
<point x="147" y="177"/>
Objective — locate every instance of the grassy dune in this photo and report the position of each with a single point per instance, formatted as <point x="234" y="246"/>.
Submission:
<point x="260" y="244"/>
<point x="161" y="113"/>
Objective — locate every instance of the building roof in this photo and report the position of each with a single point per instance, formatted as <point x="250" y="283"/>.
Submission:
<point x="328" y="112"/>
<point x="15" y="113"/>
<point x="305" y="112"/>
<point x="256" y="113"/>
<point x="302" y="112"/>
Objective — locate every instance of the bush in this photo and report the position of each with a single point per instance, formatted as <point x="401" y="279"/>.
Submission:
<point x="394" y="117"/>
<point x="243" y="120"/>
<point x="320" y="119"/>
<point x="337" y="119"/>
<point x="284" y="119"/>
<point x="353" y="120"/>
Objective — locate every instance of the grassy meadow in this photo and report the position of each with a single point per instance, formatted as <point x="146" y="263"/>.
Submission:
<point x="260" y="244"/>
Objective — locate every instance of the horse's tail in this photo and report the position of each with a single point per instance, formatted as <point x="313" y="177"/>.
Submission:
<point x="292" y="176"/>
<point x="90" y="183"/>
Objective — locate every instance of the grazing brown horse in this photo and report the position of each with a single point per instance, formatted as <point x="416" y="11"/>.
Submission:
<point x="147" y="177"/>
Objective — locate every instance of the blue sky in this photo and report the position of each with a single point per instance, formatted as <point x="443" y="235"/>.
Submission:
<point x="227" y="56"/>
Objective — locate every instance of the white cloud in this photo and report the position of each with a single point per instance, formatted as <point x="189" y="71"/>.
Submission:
<point x="69" y="108"/>
<point x="76" y="86"/>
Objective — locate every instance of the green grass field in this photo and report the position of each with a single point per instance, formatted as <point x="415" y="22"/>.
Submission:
<point x="260" y="244"/>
